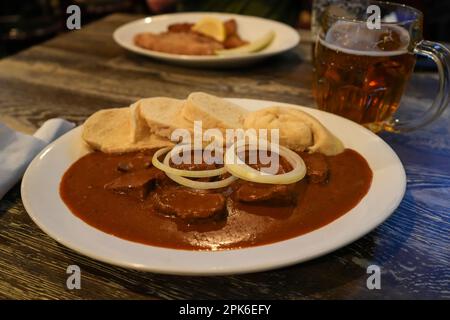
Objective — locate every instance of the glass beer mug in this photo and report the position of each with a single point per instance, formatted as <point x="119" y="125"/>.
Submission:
<point x="362" y="64"/>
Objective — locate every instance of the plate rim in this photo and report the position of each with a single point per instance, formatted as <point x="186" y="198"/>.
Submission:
<point x="208" y="271"/>
<point x="200" y="59"/>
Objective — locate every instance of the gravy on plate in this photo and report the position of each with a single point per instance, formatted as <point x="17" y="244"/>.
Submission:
<point x="124" y="195"/>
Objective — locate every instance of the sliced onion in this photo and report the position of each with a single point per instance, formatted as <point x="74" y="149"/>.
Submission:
<point x="165" y="166"/>
<point x="242" y="170"/>
<point x="202" y="184"/>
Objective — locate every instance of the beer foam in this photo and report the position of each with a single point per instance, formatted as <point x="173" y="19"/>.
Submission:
<point x="355" y="38"/>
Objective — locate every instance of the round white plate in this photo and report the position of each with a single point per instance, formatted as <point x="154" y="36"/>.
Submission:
<point x="249" y="28"/>
<point x="40" y="195"/>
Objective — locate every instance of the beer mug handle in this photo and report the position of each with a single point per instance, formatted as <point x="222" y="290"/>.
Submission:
<point x="441" y="56"/>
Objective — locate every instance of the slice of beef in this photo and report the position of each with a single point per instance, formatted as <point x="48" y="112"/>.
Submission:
<point x="275" y="194"/>
<point x="316" y="167"/>
<point x="188" y="204"/>
<point x="135" y="183"/>
<point x="280" y="194"/>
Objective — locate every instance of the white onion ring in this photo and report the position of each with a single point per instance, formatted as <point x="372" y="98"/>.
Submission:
<point x="201" y="184"/>
<point x="164" y="166"/>
<point x="245" y="172"/>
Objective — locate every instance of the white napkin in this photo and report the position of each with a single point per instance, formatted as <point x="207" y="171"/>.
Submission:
<point x="18" y="149"/>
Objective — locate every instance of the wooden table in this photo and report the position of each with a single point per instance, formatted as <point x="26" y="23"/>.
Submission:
<point x="79" y="72"/>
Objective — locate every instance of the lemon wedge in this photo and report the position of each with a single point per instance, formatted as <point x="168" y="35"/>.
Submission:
<point x="254" y="46"/>
<point x="211" y="27"/>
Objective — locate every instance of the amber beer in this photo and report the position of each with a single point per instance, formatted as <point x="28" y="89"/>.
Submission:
<point x="360" y="73"/>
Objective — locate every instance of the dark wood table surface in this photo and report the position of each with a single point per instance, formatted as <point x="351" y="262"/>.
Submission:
<point x="79" y="72"/>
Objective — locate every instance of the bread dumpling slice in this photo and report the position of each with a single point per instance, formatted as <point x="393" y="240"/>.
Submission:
<point x="138" y="126"/>
<point x="299" y="131"/>
<point x="109" y="131"/>
<point x="214" y="112"/>
<point x="163" y="115"/>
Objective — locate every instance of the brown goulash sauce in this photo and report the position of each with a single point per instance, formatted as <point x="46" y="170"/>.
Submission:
<point x="157" y="211"/>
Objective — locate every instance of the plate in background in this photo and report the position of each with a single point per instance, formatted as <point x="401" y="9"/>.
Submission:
<point x="249" y="28"/>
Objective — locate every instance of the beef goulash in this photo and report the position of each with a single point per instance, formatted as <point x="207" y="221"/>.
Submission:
<point x="132" y="188"/>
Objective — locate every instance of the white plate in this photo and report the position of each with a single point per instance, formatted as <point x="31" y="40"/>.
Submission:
<point x="40" y="195"/>
<point x="249" y="28"/>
